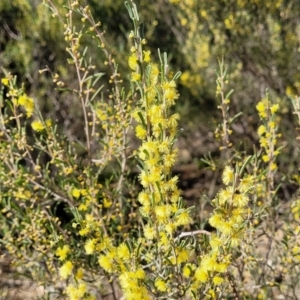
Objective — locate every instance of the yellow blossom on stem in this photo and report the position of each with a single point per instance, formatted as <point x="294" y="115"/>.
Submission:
<point x="228" y="175"/>
<point x="222" y="267"/>
<point x="89" y="247"/>
<point x="274" y="108"/>
<point x="76" y="292"/>
<point x="183" y="255"/>
<point x="144" y="198"/>
<point x="261" y="108"/>
<point x="37" y="125"/>
<point x="66" y="270"/>
<point x="246" y="183"/>
<point x="226" y="227"/>
<point x="76" y="193"/>
<point x="215" y="220"/>
<point x="170" y="159"/>
<point x="48" y="123"/>
<point x="144" y="178"/>
<point x="215" y="243"/>
<point x="209" y="262"/>
<point x="217" y="280"/>
<point x="272" y="124"/>
<point x="27" y="103"/>
<point x="79" y="274"/>
<point x="140" y="132"/>
<point x="107" y="203"/>
<point x="261" y="130"/>
<point x="160" y="285"/>
<point x="135" y="76"/>
<point x="162" y="213"/>
<point x="212" y="294"/>
<point x="240" y="200"/>
<point x="149" y="232"/>
<point x="106" y="263"/>
<point x="123" y="252"/>
<point x="183" y="218"/>
<point x="82" y="207"/>
<point x="266" y="158"/>
<point x="132" y="62"/>
<point x="147" y="58"/>
<point x="201" y="275"/>
<point x="131" y="286"/>
<point x="62" y="252"/>
<point x="187" y="271"/>
<point x="4" y="81"/>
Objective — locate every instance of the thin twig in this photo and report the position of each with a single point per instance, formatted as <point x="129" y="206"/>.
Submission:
<point x="232" y="284"/>
<point x="192" y="233"/>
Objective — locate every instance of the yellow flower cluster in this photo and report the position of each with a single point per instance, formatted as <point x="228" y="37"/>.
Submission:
<point x="27" y="103"/>
<point x="263" y="108"/>
<point x="157" y="130"/>
<point x="77" y="290"/>
<point x="231" y="203"/>
<point x="267" y="132"/>
<point x="62" y="252"/>
<point x="38" y="125"/>
<point x="66" y="269"/>
<point x="5" y="81"/>
<point x="228" y="218"/>
<point x="130" y="283"/>
<point x="161" y="205"/>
